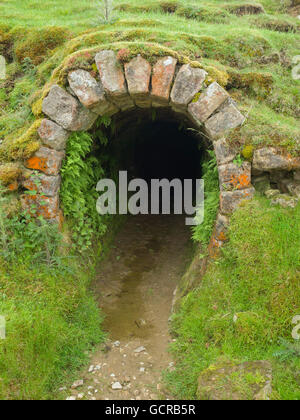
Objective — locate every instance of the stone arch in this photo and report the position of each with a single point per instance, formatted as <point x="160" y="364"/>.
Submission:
<point x="185" y="89"/>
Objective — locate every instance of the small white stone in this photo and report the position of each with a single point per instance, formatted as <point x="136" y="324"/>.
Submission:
<point x="116" y="385"/>
<point x="112" y="375"/>
<point x="116" y="344"/>
<point x="90" y="388"/>
<point x="72" y="398"/>
<point x="80" y="396"/>
<point x="140" y="349"/>
<point x="91" y="368"/>
<point x="77" y="384"/>
<point x="142" y="369"/>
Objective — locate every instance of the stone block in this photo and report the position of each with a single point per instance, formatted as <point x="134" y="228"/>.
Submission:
<point x="53" y="135"/>
<point x="162" y="79"/>
<point x="46" y="160"/>
<point x="138" y="75"/>
<point x="269" y="159"/>
<point x="234" y="177"/>
<point x="36" y="205"/>
<point x="66" y="111"/>
<point x="226" y="119"/>
<point x="90" y="93"/>
<point x="188" y="83"/>
<point x="224" y="152"/>
<point x="230" y="200"/>
<point x="113" y="79"/>
<point x="210" y="100"/>
<point x="43" y="184"/>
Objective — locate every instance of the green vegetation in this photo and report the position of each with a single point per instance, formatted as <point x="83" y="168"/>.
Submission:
<point x="244" y="307"/>
<point x="244" y="52"/>
<point x="52" y="318"/>
<point x="80" y="174"/>
<point x="44" y="289"/>
<point x="202" y="233"/>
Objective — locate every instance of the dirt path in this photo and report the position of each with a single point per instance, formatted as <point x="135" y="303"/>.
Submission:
<point x="135" y="285"/>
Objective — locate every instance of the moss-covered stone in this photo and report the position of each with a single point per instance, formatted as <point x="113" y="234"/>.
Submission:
<point x="22" y="147"/>
<point x="10" y="173"/>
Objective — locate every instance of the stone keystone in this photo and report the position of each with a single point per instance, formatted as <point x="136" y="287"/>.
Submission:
<point x="269" y="159"/>
<point x="162" y="78"/>
<point x="46" y="160"/>
<point x="53" y="135"/>
<point x="43" y="184"/>
<point x="66" y="111"/>
<point x="90" y="93"/>
<point x="230" y="200"/>
<point x="227" y="118"/>
<point x="209" y="101"/>
<point x="113" y="80"/>
<point x="234" y="177"/>
<point x="138" y="74"/>
<point x="187" y="84"/>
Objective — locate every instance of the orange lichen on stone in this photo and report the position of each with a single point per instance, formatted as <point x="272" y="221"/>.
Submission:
<point x="40" y="205"/>
<point x="37" y="163"/>
<point x="240" y="181"/>
<point x="222" y="237"/>
<point x="13" y="186"/>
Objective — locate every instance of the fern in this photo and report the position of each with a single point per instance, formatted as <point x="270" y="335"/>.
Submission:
<point x="80" y="174"/>
<point x="203" y="232"/>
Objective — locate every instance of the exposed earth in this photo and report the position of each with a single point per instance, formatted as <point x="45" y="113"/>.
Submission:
<point x="135" y="285"/>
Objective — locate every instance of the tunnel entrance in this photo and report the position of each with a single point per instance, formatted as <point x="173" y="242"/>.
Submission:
<point x="135" y="284"/>
<point x="157" y="147"/>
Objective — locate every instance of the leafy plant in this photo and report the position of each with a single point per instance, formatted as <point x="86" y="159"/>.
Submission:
<point x="80" y="174"/>
<point x="287" y="351"/>
<point x="26" y="237"/>
<point x="202" y="233"/>
<point x="28" y="67"/>
<point x="239" y="160"/>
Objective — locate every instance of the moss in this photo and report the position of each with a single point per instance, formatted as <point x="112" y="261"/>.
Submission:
<point x="169" y="6"/>
<point x="248" y="152"/>
<point x="22" y="147"/>
<point x="9" y="173"/>
<point x="258" y="83"/>
<point x="6" y="42"/>
<point x="278" y="25"/>
<point x="38" y="43"/>
<point x="204" y="14"/>
<point x="220" y="76"/>
<point x="246" y="9"/>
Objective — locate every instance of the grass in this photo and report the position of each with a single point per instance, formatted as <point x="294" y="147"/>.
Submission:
<point x="52" y="318"/>
<point x="259" y="281"/>
<point x="233" y="45"/>
<point x="52" y="321"/>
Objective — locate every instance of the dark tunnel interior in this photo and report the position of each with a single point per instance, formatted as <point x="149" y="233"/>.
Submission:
<point x="157" y="149"/>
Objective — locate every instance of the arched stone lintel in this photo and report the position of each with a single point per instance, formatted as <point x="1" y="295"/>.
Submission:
<point x="138" y="84"/>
